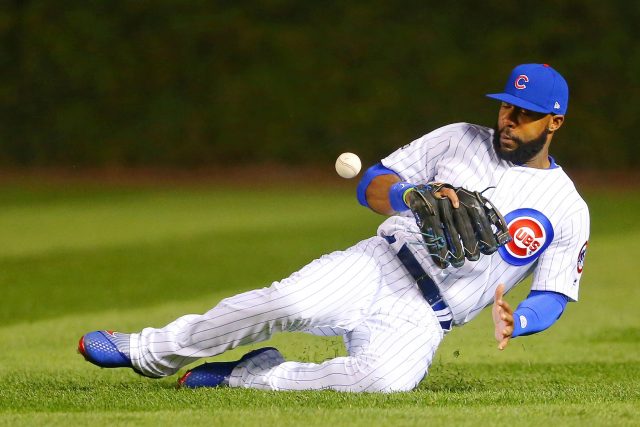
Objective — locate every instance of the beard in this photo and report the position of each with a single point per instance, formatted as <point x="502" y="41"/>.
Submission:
<point x="525" y="150"/>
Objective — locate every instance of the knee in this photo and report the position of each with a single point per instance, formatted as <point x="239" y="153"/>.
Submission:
<point x="381" y="377"/>
<point x="387" y="384"/>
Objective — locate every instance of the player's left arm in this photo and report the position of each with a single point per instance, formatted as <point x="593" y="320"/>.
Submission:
<point x="555" y="282"/>
<point x="536" y="313"/>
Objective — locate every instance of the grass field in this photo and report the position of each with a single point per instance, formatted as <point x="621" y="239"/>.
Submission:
<point x="75" y="258"/>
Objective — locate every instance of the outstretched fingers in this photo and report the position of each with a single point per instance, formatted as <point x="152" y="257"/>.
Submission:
<point x="502" y="318"/>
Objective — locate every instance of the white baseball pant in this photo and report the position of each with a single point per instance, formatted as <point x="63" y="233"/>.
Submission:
<point x="363" y="293"/>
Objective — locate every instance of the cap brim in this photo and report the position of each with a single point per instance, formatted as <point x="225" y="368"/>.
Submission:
<point x="518" y="102"/>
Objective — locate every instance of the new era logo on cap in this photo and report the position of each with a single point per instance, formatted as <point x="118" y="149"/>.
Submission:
<point x="536" y="87"/>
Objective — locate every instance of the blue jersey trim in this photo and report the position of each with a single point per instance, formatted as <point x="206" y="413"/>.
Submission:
<point x="552" y="163"/>
<point x="369" y="175"/>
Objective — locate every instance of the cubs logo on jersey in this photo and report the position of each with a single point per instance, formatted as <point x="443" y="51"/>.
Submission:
<point x="581" y="255"/>
<point x="531" y="233"/>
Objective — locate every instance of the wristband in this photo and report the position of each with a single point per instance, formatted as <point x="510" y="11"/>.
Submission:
<point x="396" y="195"/>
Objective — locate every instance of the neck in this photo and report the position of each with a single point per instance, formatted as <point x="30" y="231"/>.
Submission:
<point x="540" y="160"/>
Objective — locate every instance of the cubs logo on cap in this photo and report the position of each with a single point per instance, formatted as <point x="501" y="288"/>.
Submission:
<point x="536" y="87"/>
<point x="520" y="81"/>
<point x="531" y="233"/>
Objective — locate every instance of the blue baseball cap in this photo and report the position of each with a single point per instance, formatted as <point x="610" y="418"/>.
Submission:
<point x="536" y="87"/>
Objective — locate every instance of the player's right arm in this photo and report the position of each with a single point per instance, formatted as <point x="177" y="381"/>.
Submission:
<point x="383" y="185"/>
<point x="376" y="193"/>
<point x="383" y="191"/>
<point x="373" y="189"/>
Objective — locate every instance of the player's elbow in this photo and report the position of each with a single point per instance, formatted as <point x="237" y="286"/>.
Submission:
<point x="373" y="189"/>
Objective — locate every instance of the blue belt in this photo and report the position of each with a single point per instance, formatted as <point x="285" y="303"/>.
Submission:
<point x="427" y="286"/>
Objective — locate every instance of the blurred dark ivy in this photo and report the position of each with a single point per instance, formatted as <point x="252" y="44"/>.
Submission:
<point x="198" y="83"/>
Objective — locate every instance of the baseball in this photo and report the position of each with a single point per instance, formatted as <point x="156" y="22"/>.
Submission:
<point x="348" y="165"/>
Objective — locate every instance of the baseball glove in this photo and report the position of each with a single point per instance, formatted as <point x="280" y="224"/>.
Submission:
<point x="451" y="235"/>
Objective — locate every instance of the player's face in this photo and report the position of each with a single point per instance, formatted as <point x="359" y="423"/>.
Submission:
<point x="520" y="134"/>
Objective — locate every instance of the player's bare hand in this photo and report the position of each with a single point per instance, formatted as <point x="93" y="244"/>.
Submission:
<point x="502" y="318"/>
<point x="450" y="194"/>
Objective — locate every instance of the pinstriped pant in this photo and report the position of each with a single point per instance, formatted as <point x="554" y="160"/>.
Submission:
<point x="363" y="293"/>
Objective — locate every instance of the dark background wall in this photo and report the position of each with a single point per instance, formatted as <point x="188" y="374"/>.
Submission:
<point x="199" y="83"/>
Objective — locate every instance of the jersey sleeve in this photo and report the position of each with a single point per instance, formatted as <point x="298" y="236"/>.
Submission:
<point x="417" y="162"/>
<point x="560" y="266"/>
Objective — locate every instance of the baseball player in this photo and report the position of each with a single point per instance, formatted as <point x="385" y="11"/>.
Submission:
<point x="389" y="296"/>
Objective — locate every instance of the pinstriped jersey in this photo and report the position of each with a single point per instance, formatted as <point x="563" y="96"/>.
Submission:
<point x="547" y="218"/>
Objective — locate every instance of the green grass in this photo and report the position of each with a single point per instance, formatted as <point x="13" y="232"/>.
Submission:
<point x="77" y="258"/>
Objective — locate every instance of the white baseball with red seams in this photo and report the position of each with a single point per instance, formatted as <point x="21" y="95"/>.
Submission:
<point x="366" y="294"/>
<point x="348" y="165"/>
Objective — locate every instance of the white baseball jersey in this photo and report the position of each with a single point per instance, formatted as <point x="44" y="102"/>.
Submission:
<point x="367" y="295"/>
<point x="547" y="218"/>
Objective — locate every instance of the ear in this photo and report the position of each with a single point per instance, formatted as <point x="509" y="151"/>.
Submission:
<point x="555" y="123"/>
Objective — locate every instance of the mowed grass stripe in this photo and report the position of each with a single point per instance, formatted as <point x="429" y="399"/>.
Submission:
<point x="75" y="221"/>
<point x="119" y="256"/>
<point x="604" y="414"/>
<point x="483" y="388"/>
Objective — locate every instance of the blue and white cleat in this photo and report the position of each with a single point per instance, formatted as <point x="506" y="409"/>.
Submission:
<point x="106" y="349"/>
<point x="216" y="374"/>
